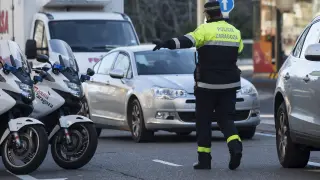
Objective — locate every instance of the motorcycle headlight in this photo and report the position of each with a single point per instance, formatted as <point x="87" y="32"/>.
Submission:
<point x="167" y="93"/>
<point x="26" y="90"/>
<point x="75" y="89"/>
<point x="249" y="90"/>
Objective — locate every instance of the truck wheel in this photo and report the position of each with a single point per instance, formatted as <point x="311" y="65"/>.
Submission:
<point x="136" y="123"/>
<point x="290" y="155"/>
<point x="247" y="133"/>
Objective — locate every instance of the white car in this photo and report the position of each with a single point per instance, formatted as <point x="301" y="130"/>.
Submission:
<point x="145" y="91"/>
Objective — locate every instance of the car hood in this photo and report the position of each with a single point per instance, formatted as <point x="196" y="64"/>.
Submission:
<point x="183" y="82"/>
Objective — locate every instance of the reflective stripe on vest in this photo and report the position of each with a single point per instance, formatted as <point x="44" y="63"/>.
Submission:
<point x="214" y="34"/>
<point x="219" y="86"/>
<point x="222" y="43"/>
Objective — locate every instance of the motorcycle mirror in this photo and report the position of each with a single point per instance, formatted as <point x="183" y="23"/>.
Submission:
<point x="43" y="58"/>
<point x="37" y="79"/>
<point x="84" y="78"/>
<point x="56" y="68"/>
<point x="90" y="72"/>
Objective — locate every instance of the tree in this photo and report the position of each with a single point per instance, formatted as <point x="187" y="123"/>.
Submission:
<point x="164" y="19"/>
<point x="161" y="19"/>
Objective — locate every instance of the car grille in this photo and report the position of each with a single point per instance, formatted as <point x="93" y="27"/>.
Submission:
<point x="191" y="101"/>
<point x="191" y="116"/>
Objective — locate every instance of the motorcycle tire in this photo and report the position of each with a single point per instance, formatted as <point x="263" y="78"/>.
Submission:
<point x="36" y="160"/>
<point x="87" y="154"/>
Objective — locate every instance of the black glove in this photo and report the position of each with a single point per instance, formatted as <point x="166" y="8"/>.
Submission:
<point x="165" y="44"/>
<point x="159" y="46"/>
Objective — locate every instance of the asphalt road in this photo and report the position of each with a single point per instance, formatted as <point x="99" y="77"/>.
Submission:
<point x="171" y="157"/>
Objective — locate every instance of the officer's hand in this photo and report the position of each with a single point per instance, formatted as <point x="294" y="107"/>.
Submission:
<point x="158" y="46"/>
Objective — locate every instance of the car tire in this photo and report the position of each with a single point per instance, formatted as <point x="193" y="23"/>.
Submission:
<point x="247" y="133"/>
<point x="136" y="123"/>
<point x="184" y="133"/>
<point x="86" y="113"/>
<point x="290" y="155"/>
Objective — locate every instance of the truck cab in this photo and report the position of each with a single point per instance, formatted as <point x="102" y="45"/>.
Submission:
<point x="90" y="27"/>
<point x="89" y="34"/>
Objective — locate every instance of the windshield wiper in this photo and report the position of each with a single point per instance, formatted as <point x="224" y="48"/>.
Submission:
<point x="80" y="48"/>
<point x="108" y="47"/>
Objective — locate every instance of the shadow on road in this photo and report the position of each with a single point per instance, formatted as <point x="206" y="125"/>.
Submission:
<point x="167" y="138"/>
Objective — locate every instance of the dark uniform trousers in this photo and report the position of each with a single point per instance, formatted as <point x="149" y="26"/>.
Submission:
<point x="223" y="103"/>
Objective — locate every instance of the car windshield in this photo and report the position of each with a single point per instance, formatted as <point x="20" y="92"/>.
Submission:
<point x="93" y="35"/>
<point x="11" y="54"/>
<point x="165" y="61"/>
<point x="62" y="49"/>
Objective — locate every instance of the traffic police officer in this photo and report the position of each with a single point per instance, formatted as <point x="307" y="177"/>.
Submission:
<point x="217" y="78"/>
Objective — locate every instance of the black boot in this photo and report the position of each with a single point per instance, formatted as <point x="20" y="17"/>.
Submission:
<point x="235" y="149"/>
<point x="204" y="161"/>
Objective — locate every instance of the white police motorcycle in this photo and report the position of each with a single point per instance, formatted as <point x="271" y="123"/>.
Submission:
<point x="24" y="141"/>
<point x="59" y="94"/>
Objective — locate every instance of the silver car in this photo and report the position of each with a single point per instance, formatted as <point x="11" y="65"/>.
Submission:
<point x="145" y="91"/>
<point x="297" y="100"/>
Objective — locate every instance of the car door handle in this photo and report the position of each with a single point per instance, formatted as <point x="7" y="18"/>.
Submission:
<point x="287" y="76"/>
<point x="306" y="79"/>
<point x="107" y="82"/>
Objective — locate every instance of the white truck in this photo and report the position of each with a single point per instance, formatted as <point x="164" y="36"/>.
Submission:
<point x="90" y="27"/>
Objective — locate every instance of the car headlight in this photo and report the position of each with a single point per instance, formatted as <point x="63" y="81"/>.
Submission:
<point x="76" y="89"/>
<point x="167" y="93"/>
<point x="248" y="90"/>
<point x="26" y="90"/>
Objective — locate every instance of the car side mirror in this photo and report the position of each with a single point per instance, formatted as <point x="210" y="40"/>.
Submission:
<point x="313" y="52"/>
<point x="42" y="58"/>
<point x="90" y="72"/>
<point x="117" y="73"/>
<point x="31" y="49"/>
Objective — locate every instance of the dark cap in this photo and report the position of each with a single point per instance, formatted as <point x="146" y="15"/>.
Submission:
<point x="212" y="6"/>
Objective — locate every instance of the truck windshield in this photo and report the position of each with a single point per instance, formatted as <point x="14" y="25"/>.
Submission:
<point x="93" y="35"/>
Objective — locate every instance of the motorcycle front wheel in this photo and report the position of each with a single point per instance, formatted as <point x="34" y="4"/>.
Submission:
<point x="32" y="151"/>
<point x="79" y="152"/>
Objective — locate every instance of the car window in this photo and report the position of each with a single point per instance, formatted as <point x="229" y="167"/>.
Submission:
<point x="96" y="66"/>
<point x="122" y="63"/>
<point x="299" y="45"/>
<point x="311" y="38"/>
<point x="179" y="61"/>
<point x="107" y="62"/>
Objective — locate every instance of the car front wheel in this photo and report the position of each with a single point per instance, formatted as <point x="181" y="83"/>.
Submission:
<point x="136" y="123"/>
<point x="290" y="155"/>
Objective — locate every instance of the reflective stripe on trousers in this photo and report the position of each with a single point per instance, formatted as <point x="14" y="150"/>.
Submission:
<point x="219" y="86"/>
<point x="233" y="137"/>
<point x="204" y="150"/>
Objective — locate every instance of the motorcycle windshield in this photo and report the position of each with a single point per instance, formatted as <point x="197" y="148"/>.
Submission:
<point x="11" y="54"/>
<point x="62" y="49"/>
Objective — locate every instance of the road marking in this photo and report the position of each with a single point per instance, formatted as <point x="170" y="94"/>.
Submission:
<point x="166" y="163"/>
<point x="28" y="177"/>
<point x="267" y="119"/>
<point x="313" y="164"/>
<point x="263" y="134"/>
<point x="267" y="116"/>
